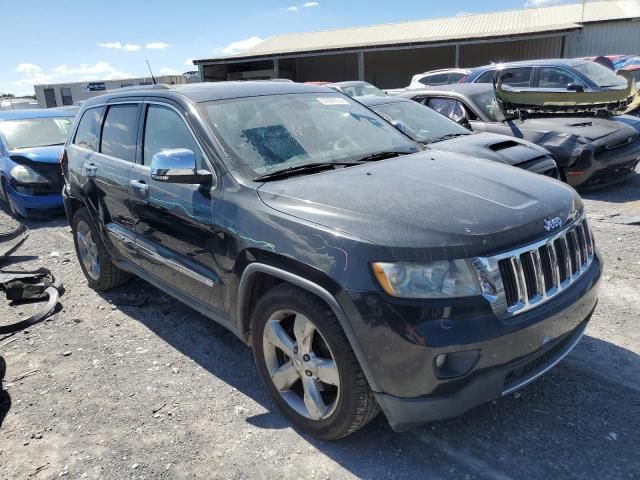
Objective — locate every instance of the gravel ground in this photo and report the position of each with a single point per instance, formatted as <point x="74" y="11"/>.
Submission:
<point x="158" y="391"/>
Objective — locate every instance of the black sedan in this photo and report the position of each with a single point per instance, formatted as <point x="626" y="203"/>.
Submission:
<point x="428" y="127"/>
<point x="589" y="150"/>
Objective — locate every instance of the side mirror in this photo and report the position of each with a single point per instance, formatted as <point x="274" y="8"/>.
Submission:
<point x="177" y="166"/>
<point x="574" y="87"/>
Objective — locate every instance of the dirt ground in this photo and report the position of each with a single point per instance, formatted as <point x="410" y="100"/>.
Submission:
<point x="158" y="391"/>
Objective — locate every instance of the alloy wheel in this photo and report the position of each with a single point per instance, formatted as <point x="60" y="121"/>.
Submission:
<point x="301" y="364"/>
<point x="88" y="250"/>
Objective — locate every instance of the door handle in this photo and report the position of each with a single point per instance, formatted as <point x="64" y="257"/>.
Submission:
<point x="90" y="170"/>
<point x="139" y="185"/>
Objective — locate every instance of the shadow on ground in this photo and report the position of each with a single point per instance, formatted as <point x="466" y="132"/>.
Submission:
<point x="579" y="421"/>
<point x="5" y="399"/>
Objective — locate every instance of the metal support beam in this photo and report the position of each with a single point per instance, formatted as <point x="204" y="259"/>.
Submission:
<point x="361" y="66"/>
<point x="457" y="61"/>
<point x="276" y="68"/>
<point x="201" y="72"/>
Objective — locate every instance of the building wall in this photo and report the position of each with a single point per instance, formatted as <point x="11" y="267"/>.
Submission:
<point x="604" y="39"/>
<point x="330" y="68"/>
<point x="475" y="55"/>
<point x="79" y="91"/>
<point x="394" y="68"/>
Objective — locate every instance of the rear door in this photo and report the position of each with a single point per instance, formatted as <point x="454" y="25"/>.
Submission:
<point x="174" y="222"/>
<point x="105" y="143"/>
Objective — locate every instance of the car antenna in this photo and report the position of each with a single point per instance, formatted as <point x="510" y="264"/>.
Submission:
<point x="152" y="77"/>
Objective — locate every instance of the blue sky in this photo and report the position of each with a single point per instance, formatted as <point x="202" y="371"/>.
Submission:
<point x="71" y="40"/>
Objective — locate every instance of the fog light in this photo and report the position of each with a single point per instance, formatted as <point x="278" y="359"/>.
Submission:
<point x="441" y="360"/>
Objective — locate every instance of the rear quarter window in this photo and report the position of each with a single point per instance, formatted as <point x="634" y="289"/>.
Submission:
<point x="88" y="132"/>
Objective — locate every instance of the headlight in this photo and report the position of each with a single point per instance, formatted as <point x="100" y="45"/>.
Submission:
<point x="441" y="279"/>
<point x="24" y="174"/>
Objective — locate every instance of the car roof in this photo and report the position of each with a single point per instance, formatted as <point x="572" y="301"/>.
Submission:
<point x="445" y="70"/>
<point x="351" y="83"/>
<point x="33" y="113"/>
<point x="466" y="89"/>
<point x="533" y="63"/>
<point x="210" y="91"/>
<point x="372" y="100"/>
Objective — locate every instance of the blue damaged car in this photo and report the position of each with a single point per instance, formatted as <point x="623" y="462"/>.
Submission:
<point x="31" y="142"/>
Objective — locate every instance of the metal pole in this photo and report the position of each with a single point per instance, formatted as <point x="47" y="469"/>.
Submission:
<point x="361" y="66"/>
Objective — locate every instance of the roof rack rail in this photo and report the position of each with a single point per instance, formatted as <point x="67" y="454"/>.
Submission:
<point x="159" y="86"/>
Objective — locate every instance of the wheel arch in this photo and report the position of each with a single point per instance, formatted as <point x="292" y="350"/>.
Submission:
<point x="260" y="274"/>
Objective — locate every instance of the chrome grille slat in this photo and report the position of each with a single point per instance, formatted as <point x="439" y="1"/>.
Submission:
<point x="531" y="275"/>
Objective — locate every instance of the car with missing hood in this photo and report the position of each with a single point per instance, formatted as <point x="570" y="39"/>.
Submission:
<point x="363" y="272"/>
<point x="590" y="150"/>
<point x="428" y="127"/>
<point x="31" y="142"/>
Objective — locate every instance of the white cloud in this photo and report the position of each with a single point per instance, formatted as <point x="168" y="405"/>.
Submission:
<point x="34" y="75"/>
<point x="463" y="14"/>
<point x="189" y="62"/>
<point x="295" y="8"/>
<point x="127" y="47"/>
<point x="169" y="71"/>
<point x="114" y="45"/>
<point x="239" y="46"/>
<point x="157" y="45"/>
<point x="541" y="3"/>
<point x="28" y="68"/>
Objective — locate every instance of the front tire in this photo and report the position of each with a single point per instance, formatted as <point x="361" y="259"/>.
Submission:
<point x="93" y="257"/>
<point x="308" y="366"/>
<point x="12" y="209"/>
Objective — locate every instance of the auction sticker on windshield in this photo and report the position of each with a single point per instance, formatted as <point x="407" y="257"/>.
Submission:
<point x="332" y="101"/>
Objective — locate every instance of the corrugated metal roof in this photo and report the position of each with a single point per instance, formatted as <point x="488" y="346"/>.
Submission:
<point x="469" y="27"/>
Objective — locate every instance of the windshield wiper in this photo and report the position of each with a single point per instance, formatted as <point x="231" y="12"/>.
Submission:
<point x="300" y="169"/>
<point x="382" y="155"/>
<point x="447" y="137"/>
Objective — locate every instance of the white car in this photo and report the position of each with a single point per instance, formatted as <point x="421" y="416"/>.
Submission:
<point x="445" y="76"/>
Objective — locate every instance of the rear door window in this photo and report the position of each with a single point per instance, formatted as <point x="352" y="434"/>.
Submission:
<point x="88" y="132"/>
<point x="520" y="77"/>
<point x="120" y="131"/>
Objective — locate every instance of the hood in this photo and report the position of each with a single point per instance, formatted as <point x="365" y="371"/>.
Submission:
<point x="492" y="146"/>
<point x="430" y="205"/>
<point x="588" y="128"/>
<point x="39" y="154"/>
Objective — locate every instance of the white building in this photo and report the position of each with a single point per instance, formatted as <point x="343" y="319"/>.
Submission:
<point x="60" y="94"/>
<point x="389" y="55"/>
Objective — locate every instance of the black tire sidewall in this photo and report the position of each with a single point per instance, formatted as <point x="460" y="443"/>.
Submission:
<point x="325" y="322"/>
<point x="84" y="215"/>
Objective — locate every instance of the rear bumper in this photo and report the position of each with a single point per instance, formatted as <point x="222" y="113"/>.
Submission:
<point x="405" y="413"/>
<point x="30" y="205"/>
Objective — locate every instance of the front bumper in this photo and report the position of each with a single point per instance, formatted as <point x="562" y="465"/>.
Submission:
<point x="30" y="205"/>
<point x="402" y="340"/>
<point x="604" y="167"/>
<point x="405" y="413"/>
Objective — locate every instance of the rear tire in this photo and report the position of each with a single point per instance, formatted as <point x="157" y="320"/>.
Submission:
<point x="93" y="257"/>
<point x="318" y="385"/>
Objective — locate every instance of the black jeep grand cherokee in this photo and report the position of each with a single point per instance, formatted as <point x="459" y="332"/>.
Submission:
<point x="364" y="272"/>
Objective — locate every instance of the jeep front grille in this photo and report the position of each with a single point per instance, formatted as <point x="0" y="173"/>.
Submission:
<point x="529" y="276"/>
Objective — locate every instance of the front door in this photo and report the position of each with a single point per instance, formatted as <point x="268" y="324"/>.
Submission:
<point x="174" y="222"/>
